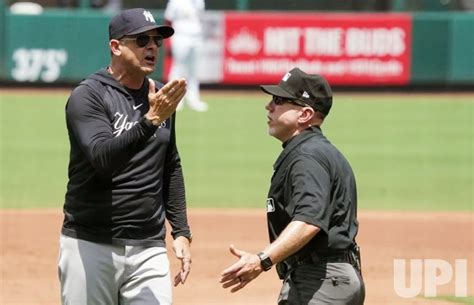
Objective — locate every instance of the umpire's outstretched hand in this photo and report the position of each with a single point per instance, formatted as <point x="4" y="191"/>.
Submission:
<point x="242" y="272"/>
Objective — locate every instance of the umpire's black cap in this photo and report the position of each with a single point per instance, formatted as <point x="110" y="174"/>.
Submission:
<point x="311" y="89"/>
<point x="135" y="21"/>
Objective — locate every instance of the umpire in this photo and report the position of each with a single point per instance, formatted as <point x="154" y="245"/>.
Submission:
<point x="311" y="205"/>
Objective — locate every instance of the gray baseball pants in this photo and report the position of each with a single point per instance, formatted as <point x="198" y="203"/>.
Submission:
<point x="326" y="283"/>
<point x="102" y="274"/>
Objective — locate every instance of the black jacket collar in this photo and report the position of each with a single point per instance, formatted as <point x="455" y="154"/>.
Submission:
<point x="294" y="142"/>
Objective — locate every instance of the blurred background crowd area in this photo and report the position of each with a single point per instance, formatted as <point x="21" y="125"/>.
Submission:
<point x="355" y="43"/>
<point x="280" y="5"/>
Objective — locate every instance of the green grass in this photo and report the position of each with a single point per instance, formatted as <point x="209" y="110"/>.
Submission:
<point x="409" y="152"/>
<point x="34" y="150"/>
<point x="456" y="300"/>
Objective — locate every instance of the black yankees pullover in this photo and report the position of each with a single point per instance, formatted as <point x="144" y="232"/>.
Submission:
<point x="125" y="174"/>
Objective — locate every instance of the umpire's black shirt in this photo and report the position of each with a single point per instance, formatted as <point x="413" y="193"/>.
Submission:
<point x="314" y="183"/>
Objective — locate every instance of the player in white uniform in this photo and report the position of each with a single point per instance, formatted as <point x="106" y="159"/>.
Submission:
<point x="184" y="15"/>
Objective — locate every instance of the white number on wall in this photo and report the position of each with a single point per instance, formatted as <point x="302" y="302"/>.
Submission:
<point x="38" y="64"/>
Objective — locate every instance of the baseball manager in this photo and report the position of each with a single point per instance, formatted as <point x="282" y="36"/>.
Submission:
<point x="125" y="176"/>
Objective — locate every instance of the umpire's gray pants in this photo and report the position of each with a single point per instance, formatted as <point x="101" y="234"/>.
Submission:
<point x="328" y="283"/>
<point x="101" y="274"/>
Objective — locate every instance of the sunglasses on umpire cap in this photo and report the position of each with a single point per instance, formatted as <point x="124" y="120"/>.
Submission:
<point x="302" y="89"/>
<point x="142" y="40"/>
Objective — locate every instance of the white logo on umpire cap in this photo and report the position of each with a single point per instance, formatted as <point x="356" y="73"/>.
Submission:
<point x="270" y="205"/>
<point x="149" y="16"/>
<point x="286" y="76"/>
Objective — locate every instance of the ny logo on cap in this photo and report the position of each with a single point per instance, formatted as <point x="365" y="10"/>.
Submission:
<point x="149" y="16"/>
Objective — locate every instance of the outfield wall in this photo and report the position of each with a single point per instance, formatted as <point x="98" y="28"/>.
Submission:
<point x="383" y="49"/>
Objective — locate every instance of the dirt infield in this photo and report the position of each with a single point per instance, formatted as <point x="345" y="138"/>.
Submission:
<point x="29" y="244"/>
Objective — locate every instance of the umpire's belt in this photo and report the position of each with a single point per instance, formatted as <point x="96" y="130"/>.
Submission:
<point x="310" y="258"/>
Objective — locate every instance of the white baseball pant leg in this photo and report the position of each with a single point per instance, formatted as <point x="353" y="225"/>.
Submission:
<point x="102" y="274"/>
<point x="185" y="61"/>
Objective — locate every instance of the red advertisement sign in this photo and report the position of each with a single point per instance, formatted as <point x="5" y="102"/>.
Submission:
<point x="348" y="49"/>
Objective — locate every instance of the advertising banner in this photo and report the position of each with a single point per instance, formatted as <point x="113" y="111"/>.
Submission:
<point x="348" y="49"/>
